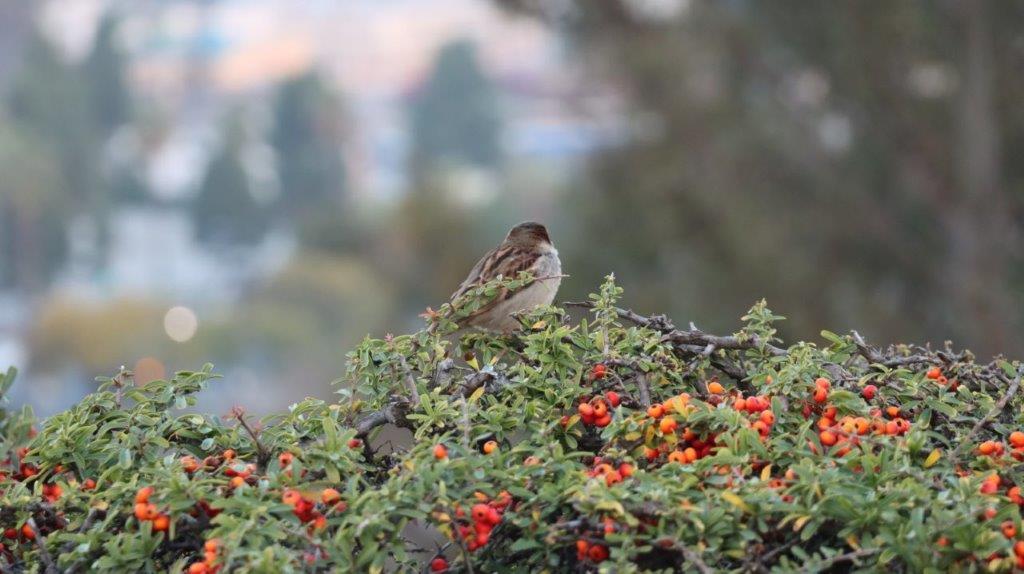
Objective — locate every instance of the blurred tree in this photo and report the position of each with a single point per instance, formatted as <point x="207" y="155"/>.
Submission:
<point x="49" y="99"/>
<point x="455" y="117"/>
<point x="104" y="71"/>
<point x="842" y="160"/>
<point x="307" y="136"/>
<point x="225" y="211"/>
<point x="15" y="25"/>
<point x="32" y="211"/>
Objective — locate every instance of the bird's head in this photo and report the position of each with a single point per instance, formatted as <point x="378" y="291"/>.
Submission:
<point x="528" y="233"/>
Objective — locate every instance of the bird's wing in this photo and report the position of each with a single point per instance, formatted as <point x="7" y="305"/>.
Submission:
<point x="507" y="261"/>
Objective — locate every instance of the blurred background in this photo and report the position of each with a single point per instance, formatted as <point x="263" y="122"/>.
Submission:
<point x="262" y="183"/>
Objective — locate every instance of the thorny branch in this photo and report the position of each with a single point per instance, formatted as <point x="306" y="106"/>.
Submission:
<point x="892" y="358"/>
<point x="262" y="454"/>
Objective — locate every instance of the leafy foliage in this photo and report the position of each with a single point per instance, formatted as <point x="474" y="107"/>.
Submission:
<point x="613" y="443"/>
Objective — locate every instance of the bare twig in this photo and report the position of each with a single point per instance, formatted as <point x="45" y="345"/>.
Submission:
<point x="890" y="359"/>
<point x="643" y="389"/>
<point x="410" y="381"/>
<point x="262" y="454"/>
<point x="393" y="413"/>
<point x="848" y="557"/>
<point x="465" y="424"/>
<point x="693" y="336"/>
<point x="90" y="518"/>
<point x="693" y="558"/>
<point x="443" y="373"/>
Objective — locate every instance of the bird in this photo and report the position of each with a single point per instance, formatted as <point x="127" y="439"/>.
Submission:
<point x="527" y="247"/>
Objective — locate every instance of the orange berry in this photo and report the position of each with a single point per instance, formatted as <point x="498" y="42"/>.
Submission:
<point x="668" y="425"/>
<point x="143" y="494"/>
<point x="715" y="388"/>
<point x="822" y="383"/>
<point x="1017" y="438"/>
<point x="603" y="421"/>
<point x="862" y="424"/>
<point x="198" y="568"/>
<point x="1009" y="530"/>
<point x="677" y="456"/>
<point x="211" y="545"/>
<point x="27" y="532"/>
<point x="828" y="438"/>
<point x="691" y="454"/>
<point x="161" y="523"/>
<point x="820" y="395"/>
<point x="1018" y="548"/>
<point x="600" y="408"/>
<point x="490" y="446"/>
<point x="740" y="404"/>
<point x="626" y="470"/>
<point x="893" y="411"/>
<point x="291" y="497"/>
<point x="1014" y="495"/>
<point x="934" y="373"/>
<point x="89" y="484"/>
<point x="612" y="477"/>
<point x="531" y="461"/>
<point x="987" y="448"/>
<point x="236" y="481"/>
<point x="228" y="454"/>
<point x="145" y="511"/>
<point x="768" y="417"/>
<point x="656" y="411"/>
<point x="285" y="458"/>
<point x="440" y="452"/>
<point x="189" y="464"/>
<point x="585" y="410"/>
<point x="330" y="496"/>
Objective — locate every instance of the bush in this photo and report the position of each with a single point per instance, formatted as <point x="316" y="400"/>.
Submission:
<point x="616" y="443"/>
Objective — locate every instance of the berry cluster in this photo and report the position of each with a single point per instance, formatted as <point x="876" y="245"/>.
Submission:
<point x="484" y="516"/>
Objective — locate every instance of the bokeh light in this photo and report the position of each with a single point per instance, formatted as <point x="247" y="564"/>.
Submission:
<point x="181" y="324"/>
<point x="149" y="369"/>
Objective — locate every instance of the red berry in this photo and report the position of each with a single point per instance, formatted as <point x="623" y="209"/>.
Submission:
<point x="438" y="564"/>
<point x="869" y="392"/>
<point x="613" y="398"/>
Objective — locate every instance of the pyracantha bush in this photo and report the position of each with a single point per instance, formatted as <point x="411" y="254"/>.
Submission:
<point x="617" y="443"/>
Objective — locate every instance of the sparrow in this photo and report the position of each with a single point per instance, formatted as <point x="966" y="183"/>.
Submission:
<point x="527" y="247"/>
